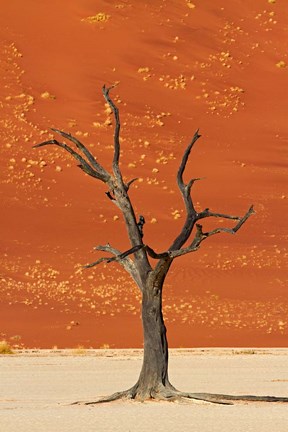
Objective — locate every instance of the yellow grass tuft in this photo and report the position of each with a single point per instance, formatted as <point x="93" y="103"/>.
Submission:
<point x="100" y="17"/>
<point x="105" y="346"/>
<point x="5" y="348"/>
<point x="80" y="350"/>
<point x="47" y="95"/>
<point x="244" y="352"/>
<point x="281" y="64"/>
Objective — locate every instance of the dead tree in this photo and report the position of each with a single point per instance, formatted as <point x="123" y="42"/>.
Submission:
<point x="153" y="382"/>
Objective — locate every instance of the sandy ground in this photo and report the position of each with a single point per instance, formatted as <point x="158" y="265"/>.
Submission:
<point x="36" y="389"/>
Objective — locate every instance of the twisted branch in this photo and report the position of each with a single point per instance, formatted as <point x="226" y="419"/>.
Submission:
<point x="115" y="110"/>
<point x="118" y="256"/>
<point x="185" y="190"/>
<point x="83" y="164"/>
<point x="200" y="236"/>
<point x="155" y="255"/>
<point x="121" y="258"/>
<point x="86" y="152"/>
<point x="93" y="169"/>
<point x="122" y="199"/>
<point x="207" y="213"/>
<point x="191" y="214"/>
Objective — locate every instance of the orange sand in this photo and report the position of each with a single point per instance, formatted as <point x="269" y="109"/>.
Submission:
<point x="220" y="67"/>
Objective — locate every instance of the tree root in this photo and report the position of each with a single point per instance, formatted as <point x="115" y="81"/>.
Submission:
<point x="115" y="396"/>
<point x="173" y="395"/>
<point x="224" y="399"/>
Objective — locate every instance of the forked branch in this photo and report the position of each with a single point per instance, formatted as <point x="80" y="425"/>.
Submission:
<point x="121" y="257"/>
<point x="92" y="167"/>
<point x="118" y="256"/>
<point x="200" y="236"/>
<point x="121" y="195"/>
<point x="86" y="152"/>
<point x="207" y="213"/>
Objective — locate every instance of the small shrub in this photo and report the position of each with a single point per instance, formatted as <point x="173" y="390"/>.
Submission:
<point x="244" y="352"/>
<point x="15" y="338"/>
<point x="5" y="348"/>
<point x="105" y="346"/>
<point x="80" y="350"/>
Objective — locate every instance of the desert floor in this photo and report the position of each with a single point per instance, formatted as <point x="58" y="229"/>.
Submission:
<point x="38" y="387"/>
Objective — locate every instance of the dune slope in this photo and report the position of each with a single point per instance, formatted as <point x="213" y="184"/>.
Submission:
<point x="220" y="67"/>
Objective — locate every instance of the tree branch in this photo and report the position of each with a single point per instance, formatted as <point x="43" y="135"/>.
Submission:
<point x="121" y="258"/>
<point x="99" y="172"/>
<point x="185" y="159"/>
<point x="185" y="190"/>
<point x="107" y="248"/>
<point x="129" y="183"/>
<point x="156" y="255"/>
<point x="200" y="236"/>
<point x="236" y="227"/>
<point x="207" y="213"/>
<point x="121" y="196"/>
<point x="83" y="164"/>
<point x="86" y="152"/>
<point x="115" y="110"/>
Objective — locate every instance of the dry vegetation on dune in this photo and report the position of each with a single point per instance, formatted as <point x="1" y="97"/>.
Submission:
<point x="5" y="348"/>
<point x="228" y="76"/>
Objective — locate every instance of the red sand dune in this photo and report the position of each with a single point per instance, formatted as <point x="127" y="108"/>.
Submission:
<point x="219" y="66"/>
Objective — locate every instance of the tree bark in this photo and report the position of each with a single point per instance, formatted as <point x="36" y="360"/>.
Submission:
<point x="154" y="373"/>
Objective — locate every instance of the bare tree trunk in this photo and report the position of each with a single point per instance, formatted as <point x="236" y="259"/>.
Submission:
<point x="153" y="381"/>
<point x="154" y="373"/>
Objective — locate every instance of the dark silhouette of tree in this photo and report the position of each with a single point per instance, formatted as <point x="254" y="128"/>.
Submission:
<point x="153" y="382"/>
